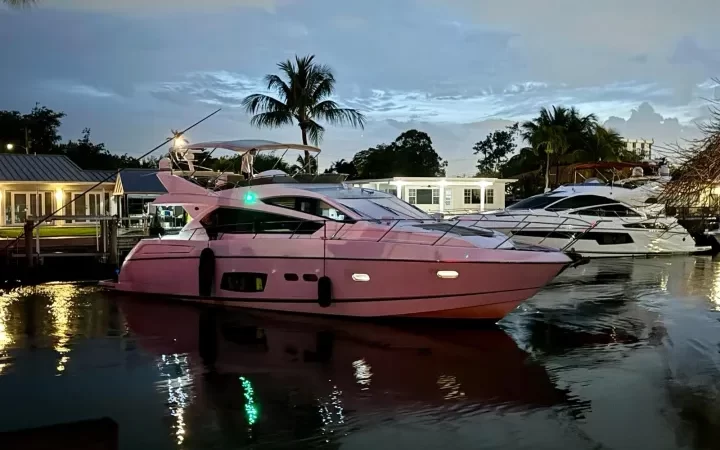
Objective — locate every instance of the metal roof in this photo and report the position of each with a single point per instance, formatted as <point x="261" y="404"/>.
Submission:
<point x="47" y="168"/>
<point x="141" y="181"/>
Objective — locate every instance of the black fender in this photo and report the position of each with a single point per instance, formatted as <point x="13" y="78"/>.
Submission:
<point x="206" y="272"/>
<point x="324" y="292"/>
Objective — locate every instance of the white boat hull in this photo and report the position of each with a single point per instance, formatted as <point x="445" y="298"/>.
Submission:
<point x="607" y="238"/>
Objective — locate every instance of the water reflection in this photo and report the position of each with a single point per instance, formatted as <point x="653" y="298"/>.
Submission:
<point x="618" y="354"/>
<point x="351" y="374"/>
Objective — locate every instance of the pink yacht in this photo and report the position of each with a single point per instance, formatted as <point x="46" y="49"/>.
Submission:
<point x="312" y="244"/>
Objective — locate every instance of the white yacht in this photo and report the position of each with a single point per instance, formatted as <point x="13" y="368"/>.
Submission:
<point x="594" y="220"/>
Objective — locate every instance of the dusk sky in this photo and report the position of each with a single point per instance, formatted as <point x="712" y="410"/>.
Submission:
<point x="457" y="69"/>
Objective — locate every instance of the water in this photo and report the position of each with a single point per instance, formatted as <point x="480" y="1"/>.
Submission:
<point x="617" y="354"/>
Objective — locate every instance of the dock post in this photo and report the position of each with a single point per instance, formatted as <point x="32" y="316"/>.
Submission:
<point x="113" y="235"/>
<point x="104" y="237"/>
<point x="29" y="243"/>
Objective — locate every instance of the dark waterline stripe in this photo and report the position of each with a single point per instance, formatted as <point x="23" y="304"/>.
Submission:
<point x="350" y="300"/>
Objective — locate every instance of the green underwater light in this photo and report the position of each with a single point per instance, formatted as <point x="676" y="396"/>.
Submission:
<point x="250" y="197"/>
<point x="251" y="409"/>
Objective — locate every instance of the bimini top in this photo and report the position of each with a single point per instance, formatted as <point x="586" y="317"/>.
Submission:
<point x="244" y="145"/>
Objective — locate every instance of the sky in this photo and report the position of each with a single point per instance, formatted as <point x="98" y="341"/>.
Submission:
<point x="132" y="70"/>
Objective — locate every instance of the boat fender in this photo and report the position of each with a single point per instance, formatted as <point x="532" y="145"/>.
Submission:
<point x="206" y="272"/>
<point x="324" y="292"/>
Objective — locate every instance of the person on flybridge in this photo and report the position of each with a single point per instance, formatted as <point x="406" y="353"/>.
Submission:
<point x="248" y="160"/>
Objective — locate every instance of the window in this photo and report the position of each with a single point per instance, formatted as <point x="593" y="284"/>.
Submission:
<point x="471" y="196"/>
<point x="379" y="208"/>
<point x="424" y="196"/>
<point x="448" y="198"/>
<point x="537" y="202"/>
<point x="614" y="210"/>
<point x="489" y="196"/>
<point x="243" y="282"/>
<point x="581" y="201"/>
<point x="308" y="205"/>
<point x="239" y="221"/>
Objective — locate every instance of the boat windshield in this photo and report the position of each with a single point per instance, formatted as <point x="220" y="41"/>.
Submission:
<point x="383" y="207"/>
<point x="536" y="202"/>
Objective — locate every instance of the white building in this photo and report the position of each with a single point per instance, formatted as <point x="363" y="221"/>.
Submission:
<point x="444" y="195"/>
<point x="641" y="147"/>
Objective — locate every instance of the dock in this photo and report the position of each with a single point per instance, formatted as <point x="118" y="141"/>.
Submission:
<point x="34" y="258"/>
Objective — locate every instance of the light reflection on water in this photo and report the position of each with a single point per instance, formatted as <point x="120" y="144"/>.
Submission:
<point x="614" y="354"/>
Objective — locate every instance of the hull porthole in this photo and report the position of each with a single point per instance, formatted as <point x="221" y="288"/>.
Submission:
<point x="206" y="272"/>
<point x="324" y="292"/>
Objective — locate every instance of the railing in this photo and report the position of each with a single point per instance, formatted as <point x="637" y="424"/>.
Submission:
<point x="427" y="232"/>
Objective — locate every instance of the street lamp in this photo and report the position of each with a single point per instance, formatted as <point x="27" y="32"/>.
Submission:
<point x="11" y="146"/>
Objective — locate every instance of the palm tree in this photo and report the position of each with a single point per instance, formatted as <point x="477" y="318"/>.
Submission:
<point x="562" y="132"/>
<point x="303" y="97"/>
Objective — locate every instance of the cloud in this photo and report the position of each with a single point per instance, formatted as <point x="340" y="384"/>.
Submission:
<point x="140" y="7"/>
<point x="646" y="123"/>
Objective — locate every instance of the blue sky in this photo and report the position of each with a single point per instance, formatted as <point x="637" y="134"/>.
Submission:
<point x="133" y="69"/>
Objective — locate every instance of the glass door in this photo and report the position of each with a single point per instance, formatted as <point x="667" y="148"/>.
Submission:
<point x="20" y="207"/>
<point x="94" y="204"/>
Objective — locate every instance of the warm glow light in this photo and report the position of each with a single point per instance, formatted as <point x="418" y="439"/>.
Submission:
<point x="10" y="146"/>
<point x="58" y="196"/>
<point x="451" y="274"/>
<point x="179" y="142"/>
<point x="361" y="277"/>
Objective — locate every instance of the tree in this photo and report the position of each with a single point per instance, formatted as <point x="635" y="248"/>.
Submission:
<point x="410" y="155"/>
<point x="304" y="98"/>
<point x="344" y="167"/>
<point x="561" y="133"/>
<point x="261" y="163"/>
<point x="37" y="131"/>
<point x="495" y="150"/>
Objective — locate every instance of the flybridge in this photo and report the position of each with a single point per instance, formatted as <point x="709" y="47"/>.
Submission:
<point x="184" y="154"/>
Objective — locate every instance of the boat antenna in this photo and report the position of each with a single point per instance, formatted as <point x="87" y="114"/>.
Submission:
<point x="112" y="175"/>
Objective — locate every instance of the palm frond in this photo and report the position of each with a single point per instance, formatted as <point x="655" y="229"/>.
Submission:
<point x="277" y="84"/>
<point x="331" y="112"/>
<point x="261" y="102"/>
<point x="315" y="132"/>
<point x="271" y="119"/>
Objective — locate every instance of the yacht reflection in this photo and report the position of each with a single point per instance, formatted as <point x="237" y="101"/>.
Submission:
<point x="351" y="366"/>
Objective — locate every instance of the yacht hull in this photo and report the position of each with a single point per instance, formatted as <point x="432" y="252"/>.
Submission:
<point x="431" y="287"/>
<point x="600" y="243"/>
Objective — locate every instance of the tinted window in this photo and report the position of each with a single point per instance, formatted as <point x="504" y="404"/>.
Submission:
<point x="537" y="202"/>
<point x="615" y="210"/>
<point x="581" y="201"/>
<point x="235" y="220"/>
<point x="309" y="206"/>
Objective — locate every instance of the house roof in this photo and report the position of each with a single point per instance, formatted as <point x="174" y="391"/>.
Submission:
<point x="46" y="168"/>
<point x="139" y="181"/>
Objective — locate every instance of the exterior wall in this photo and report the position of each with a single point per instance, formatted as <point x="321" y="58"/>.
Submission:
<point x="50" y="196"/>
<point x="641" y="147"/>
<point x="452" y="196"/>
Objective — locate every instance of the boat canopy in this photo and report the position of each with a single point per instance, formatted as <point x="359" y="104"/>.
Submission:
<point x="245" y="145"/>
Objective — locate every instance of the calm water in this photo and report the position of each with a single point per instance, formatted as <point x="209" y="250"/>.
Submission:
<point x="614" y="355"/>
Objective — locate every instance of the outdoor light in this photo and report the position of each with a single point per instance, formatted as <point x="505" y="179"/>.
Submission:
<point x="10" y="146"/>
<point x="179" y="142"/>
<point x="58" y="196"/>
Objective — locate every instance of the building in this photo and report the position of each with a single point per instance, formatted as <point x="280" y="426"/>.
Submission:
<point x="641" y="147"/>
<point x="134" y="189"/>
<point x="444" y="195"/>
<point x="34" y="186"/>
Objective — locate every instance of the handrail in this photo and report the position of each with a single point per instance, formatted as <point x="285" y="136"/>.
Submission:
<point x="386" y="228"/>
